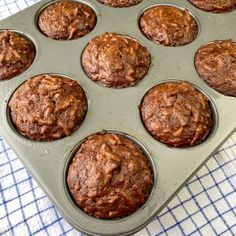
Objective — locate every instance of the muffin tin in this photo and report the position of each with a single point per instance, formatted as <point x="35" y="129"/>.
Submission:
<point x="117" y="110"/>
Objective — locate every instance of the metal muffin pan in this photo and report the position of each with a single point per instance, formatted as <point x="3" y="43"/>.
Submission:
<point x="117" y="109"/>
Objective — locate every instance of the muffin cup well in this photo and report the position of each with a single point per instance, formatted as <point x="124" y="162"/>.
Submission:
<point x="174" y="6"/>
<point x="119" y="84"/>
<point x="212" y="87"/>
<point x="135" y="141"/>
<point x="28" y="38"/>
<point x="18" y="133"/>
<point x="117" y="5"/>
<point x="213" y="108"/>
<point x="213" y="11"/>
<point x="44" y="7"/>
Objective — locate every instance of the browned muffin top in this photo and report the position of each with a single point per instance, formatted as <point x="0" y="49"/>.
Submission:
<point x="48" y="107"/>
<point x="109" y="177"/>
<point x="169" y="26"/>
<point x="16" y="54"/>
<point x="216" y="64"/>
<point x="117" y="61"/>
<point x="67" y="20"/>
<point x="177" y="114"/>
<point x="216" y="6"/>
<point x="120" y="3"/>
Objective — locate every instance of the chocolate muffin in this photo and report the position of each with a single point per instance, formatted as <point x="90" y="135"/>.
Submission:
<point x="216" y="64"/>
<point x="116" y="61"/>
<point x="216" y="6"/>
<point x="109" y="177"/>
<point x="66" y="20"/>
<point x="16" y="54"/>
<point x="177" y="114"/>
<point x="120" y="3"/>
<point x="168" y="25"/>
<point x="48" y="107"/>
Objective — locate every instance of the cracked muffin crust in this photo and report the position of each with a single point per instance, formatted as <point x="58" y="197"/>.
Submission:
<point x="177" y="114"/>
<point x="216" y="6"/>
<point x="120" y="3"/>
<point x="116" y="61"/>
<point x="66" y="20"/>
<point x="168" y="25"/>
<point x="109" y="177"/>
<point x="48" y="107"/>
<point x="216" y="64"/>
<point x="16" y="54"/>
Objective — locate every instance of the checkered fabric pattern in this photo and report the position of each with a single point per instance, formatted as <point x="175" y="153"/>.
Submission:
<point x="205" y="206"/>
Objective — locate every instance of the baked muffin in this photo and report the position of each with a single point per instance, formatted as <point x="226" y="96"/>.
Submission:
<point x="177" y="114"/>
<point x="216" y="6"/>
<point x="216" y="64"/>
<point x="109" y="177"/>
<point x="66" y="20"/>
<point x="16" y="54"/>
<point x="120" y="3"/>
<point x="168" y="25"/>
<point x="116" y="61"/>
<point x="48" y="107"/>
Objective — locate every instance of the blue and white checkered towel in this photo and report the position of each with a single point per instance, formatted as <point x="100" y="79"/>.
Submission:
<point x="206" y="206"/>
